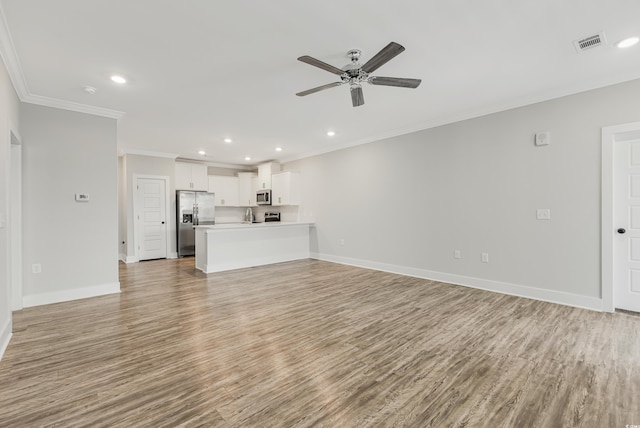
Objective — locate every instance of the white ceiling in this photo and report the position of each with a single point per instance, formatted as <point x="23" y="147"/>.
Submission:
<point x="202" y="70"/>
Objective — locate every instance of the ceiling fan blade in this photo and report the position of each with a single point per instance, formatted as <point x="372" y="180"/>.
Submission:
<point x="385" y="55"/>
<point x="357" y="98"/>
<point x="394" y="81"/>
<point x="319" y="88"/>
<point x="323" y="65"/>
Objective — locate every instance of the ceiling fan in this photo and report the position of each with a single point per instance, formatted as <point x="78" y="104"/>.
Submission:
<point x="354" y="74"/>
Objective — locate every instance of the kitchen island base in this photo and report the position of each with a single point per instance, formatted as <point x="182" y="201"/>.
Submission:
<point x="226" y="247"/>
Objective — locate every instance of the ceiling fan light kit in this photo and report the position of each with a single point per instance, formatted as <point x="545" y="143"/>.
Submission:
<point x="354" y="74"/>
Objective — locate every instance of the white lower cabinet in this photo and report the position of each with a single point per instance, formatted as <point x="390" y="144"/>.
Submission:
<point x="225" y="189"/>
<point x="285" y="188"/>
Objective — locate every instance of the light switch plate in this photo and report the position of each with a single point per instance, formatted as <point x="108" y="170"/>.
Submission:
<point x="82" y="197"/>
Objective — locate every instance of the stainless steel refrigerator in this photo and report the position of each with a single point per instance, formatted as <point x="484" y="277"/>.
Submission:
<point x="193" y="209"/>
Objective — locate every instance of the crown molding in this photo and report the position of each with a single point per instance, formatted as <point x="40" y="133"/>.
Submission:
<point x="73" y="106"/>
<point x="14" y="69"/>
<point x="10" y="58"/>
<point x="218" y="164"/>
<point x="148" y="153"/>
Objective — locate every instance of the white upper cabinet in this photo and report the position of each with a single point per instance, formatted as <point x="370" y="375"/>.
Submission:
<point x="226" y="190"/>
<point x="265" y="171"/>
<point x="285" y="188"/>
<point x="191" y="176"/>
<point x="247" y="188"/>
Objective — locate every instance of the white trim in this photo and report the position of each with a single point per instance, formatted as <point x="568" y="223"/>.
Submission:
<point x="167" y="204"/>
<point x="218" y="164"/>
<point x="148" y="153"/>
<point x="131" y="259"/>
<point x="609" y="136"/>
<point x="14" y="196"/>
<point x="14" y="69"/>
<point x="8" y="53"/>
<point x="72" y="106"/>
<point x="5" y="336"/>
<point x="73" y="294"/>
<point x="552" y="296"/>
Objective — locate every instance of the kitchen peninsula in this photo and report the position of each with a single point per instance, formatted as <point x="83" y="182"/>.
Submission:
<point x="224" y="247"/>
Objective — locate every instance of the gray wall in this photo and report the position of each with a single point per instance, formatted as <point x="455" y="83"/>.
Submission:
<point x="67" y="153"/>
<point x="9" y="121"/>
<point x="144" y="165"/>
<point x="406" y="203"/>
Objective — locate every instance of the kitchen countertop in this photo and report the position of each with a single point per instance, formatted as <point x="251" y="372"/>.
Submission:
<point x="222" y="226"/>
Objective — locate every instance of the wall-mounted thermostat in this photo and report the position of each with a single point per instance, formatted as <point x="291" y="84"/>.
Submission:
<point x="543" y="138"/>
<point x="82" y="197"/>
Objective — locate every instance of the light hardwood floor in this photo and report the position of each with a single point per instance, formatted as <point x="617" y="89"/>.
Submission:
<point x="312" y="343"/>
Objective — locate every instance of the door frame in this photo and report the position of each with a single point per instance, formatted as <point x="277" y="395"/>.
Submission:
<point x="136" y="227"/>
<point x="610" y="135"/>
<point x="14" y="241"/>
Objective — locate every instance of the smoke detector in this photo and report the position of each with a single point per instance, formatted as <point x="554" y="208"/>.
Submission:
<point x="590" y="42"/>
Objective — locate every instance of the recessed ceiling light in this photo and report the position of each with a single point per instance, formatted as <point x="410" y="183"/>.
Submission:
<point x="628" y="42"/>
<point x="202" y="152"/>
<point x="228" y="140"/>
<point x="247" y="158"/>
<point x="118" y="79"/>
<point x="331" y="133"/>
<point x="278" y="149"/>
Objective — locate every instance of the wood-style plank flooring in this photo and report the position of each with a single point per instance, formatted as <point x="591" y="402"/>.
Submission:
<point x="312" y="343"/>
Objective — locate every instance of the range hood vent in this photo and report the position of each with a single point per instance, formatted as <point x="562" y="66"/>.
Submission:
<point x="590" y="42"/>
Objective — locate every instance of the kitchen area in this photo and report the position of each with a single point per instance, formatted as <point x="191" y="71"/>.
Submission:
<point x="241" y="220"/>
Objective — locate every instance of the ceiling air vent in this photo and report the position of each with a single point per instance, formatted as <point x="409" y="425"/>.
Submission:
<point x="590" y="42"/>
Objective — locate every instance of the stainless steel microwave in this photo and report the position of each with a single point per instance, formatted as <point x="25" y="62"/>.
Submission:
<point x="263" y="197"/>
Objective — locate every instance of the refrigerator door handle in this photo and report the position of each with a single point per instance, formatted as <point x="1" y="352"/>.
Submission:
<point x="195" y="214"/>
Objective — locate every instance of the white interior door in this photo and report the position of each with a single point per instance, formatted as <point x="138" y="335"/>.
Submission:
<point x="626" y="245"/>
<point x="152" y="221"/>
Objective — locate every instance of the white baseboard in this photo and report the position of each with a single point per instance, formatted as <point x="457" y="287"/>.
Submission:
<point x="134" y="259"/>
<point x="5" y="336"/>
<point x="73" y="294"/>
<point x="131" y="259"/>
<point x="545" y="295"/>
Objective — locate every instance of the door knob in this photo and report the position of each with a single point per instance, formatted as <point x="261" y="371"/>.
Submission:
<point x="621" y="231"/>
<point x="163" y="222"/>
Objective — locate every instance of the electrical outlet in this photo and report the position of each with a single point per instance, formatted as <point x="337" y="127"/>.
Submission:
<point x="485" y="257"/>
<point x="342" y="241"/>
<point x="36" y="268"/>
<point x="457" y="254"/>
